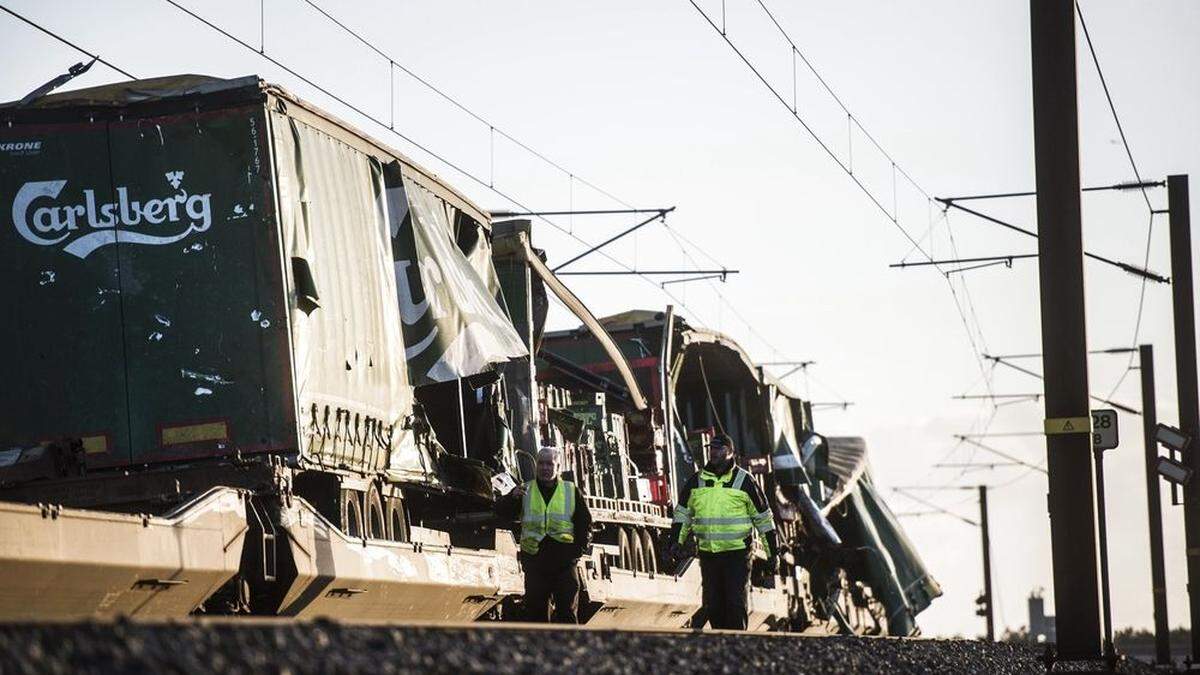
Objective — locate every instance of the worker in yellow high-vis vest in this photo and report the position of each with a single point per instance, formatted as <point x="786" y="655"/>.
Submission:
<point x="555" y="532"/>
<point x="724" y="508"/>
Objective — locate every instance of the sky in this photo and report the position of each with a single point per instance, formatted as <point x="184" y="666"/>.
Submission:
<point x="645" y="104"/>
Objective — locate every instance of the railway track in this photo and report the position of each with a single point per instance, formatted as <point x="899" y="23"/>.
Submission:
<point x="277" y="645"/>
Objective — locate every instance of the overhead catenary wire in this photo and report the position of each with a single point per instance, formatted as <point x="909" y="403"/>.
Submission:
<point x="717" y="292"/>
<point x="977" y="339"/>
<point x="924" y="502"/>
<point x="1141" y="272"/>
<point x="831" y="405"/>
<point x="576" y="212"/>
<point x="995" y="263"/>
<point x="966" y="303"/>
<point x="985" y="373"/>
<point x="1138" y="184"/>
<point x="1001" y="453"/>
<point x="979" y="465"/>
<point x="796" y="51"/>
<point x="847" y="166"/>
<point x="457" y="104"/>
<point x="1094" y="397"/>
<point x="1142" y="185"/>
<point x="994" y="396"/>
<point x="708" y="395"/>
<point x="958" y="261"/>
<point x="919" y="514"/>
<point x="715" y="273"/>
<point x="1000" y="434"/>
<point x="690" y="279"/>
<point x="68" y="43"/>
<point x="824" y="146"/>
<point x="659" y="215"/>
<point x="1137" y="323"/>
<point x="1087" y="36"/>
<point x="1093" y="352"/>
<point x="679" y="241"/>
<point x="1141" y="306"/>
<point x="429" y="151"/>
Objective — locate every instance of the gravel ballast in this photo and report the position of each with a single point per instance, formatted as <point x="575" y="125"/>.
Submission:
<point x="279" y="647"/>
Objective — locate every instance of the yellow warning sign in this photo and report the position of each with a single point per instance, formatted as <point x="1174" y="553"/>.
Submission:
<point x="195" y="433"/>
<point x="1068" y="425"/>
<point x="94" y="444"/>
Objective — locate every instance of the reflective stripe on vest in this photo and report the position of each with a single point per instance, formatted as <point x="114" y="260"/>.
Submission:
<point x="554" y="519"/>
<point x="722" y="514"/>
<point x="763" y="522"/>
<point x="682" y="515"/>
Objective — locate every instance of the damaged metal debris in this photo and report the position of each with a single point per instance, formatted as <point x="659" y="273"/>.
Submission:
<point x="336" y="454"/>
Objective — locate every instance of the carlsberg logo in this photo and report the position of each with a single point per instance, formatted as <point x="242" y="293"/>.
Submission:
<point x="90" y="225"/>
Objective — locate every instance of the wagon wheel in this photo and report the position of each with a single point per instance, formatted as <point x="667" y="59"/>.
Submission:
<point x="636" y="550"/>
<point x="351" y="511"/>
<point x="397" y="520"/>
<point x="625" y="557"/>
<point x="374" y="520"/>
<point x="649" y="551"/>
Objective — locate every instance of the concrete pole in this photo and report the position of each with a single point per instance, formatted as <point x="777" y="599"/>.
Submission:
<point x="1185" y="375"/>
<point x="1064" y="341"/>
<point x="987" y="564"/>
<point x="1158" y="574"/>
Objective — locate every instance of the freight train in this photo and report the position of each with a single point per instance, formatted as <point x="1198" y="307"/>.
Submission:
<point x="257" y="362"/>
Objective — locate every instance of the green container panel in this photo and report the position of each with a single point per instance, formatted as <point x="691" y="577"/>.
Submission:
<point x="151" y="308"/>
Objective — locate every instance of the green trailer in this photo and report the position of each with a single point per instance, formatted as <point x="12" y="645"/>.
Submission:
<point x="198" y="267"/>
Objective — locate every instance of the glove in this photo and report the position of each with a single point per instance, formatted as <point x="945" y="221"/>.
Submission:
<point x="674" y="554"/>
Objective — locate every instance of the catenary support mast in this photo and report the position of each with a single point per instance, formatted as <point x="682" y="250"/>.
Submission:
<point x="1064" y="340"/>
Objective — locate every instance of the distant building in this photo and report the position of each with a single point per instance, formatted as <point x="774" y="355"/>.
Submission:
<point x="1041" y="627"/>
<point x="1130" y="642"/>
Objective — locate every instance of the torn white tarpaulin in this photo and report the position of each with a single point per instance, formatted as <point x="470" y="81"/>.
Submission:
<point x="453" y="326"/>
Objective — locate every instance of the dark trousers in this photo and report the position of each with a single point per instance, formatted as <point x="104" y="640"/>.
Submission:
<point x="726" y="580"/>
<point x="560" y="583"/>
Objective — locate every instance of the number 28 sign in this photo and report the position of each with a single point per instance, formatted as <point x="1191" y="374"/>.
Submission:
<point x="1104" y="429"/>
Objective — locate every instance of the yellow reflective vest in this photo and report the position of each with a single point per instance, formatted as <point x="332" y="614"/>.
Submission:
<point x="540" y="519"/>
<point x="720" y="513"/>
